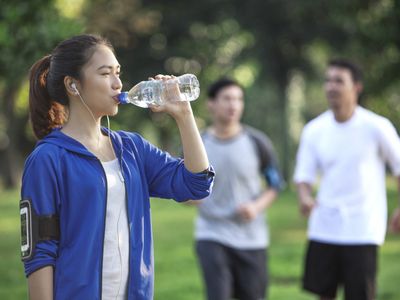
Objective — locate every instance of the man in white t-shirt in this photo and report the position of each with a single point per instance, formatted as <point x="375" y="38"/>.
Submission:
<point x="348" y="147"/>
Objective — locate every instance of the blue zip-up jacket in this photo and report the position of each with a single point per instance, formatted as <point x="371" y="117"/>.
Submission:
<point x="62" y="177"/>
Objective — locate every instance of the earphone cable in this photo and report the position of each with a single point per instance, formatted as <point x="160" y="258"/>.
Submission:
<point x="94" y="119"/>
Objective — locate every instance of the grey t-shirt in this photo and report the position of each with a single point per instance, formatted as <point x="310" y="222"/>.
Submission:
<point x="237" y="163"/>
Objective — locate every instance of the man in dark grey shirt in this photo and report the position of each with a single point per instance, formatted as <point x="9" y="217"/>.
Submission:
<point x="231" y="232"/>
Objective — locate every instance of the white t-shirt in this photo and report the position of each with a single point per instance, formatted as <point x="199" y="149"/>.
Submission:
<point x="116" y="236"/>
<point x="350" y="157"/>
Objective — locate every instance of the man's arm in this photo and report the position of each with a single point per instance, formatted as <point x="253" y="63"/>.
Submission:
<point x="395" y="220"/>
<point x="40" y="284"/>
<point x="306" y="200"/>
<point x="249" y="211"/>
<point x="270" y="171"/>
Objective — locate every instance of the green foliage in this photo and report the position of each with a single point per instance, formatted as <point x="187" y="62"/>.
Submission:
<point x="171" y="43"/>
<point x="263" y="44"/>
<point x="28" y="30"/>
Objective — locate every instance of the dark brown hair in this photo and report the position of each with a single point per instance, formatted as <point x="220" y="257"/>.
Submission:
<point x="220" y="84"/>
<point x="353" y="68"/>
<point x="48" y="97"/>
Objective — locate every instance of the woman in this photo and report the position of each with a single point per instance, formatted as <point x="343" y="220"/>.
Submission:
<point x="85" y="190"/>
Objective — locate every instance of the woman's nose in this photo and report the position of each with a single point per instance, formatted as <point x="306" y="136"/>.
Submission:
<point x="117" y="84"/>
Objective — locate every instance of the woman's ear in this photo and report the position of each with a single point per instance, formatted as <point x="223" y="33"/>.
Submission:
<point x="71" y="86"/>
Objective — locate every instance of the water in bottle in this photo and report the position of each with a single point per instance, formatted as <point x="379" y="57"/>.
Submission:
<point x="156" y="92"/>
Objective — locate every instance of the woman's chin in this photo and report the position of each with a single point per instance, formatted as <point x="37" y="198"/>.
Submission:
<point x="114" y="111"/>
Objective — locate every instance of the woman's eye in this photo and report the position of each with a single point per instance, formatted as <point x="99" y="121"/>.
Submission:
<point x="105" y="74"/>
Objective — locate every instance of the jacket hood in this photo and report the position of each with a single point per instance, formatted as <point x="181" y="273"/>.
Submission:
<point x="56" y="137"/>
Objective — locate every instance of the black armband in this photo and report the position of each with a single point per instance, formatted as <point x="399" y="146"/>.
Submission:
<point x="35" y="228"/>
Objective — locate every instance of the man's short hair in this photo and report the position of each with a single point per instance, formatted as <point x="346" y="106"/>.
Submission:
<point x="355" y="70"/>
<point x="218" y="85"/>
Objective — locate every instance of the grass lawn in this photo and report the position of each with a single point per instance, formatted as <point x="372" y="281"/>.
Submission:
<point x="177" y="274"/>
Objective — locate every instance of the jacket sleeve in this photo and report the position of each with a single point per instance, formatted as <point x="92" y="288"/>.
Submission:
<point x="39" y="185"/>
<point x="167" y="176"/>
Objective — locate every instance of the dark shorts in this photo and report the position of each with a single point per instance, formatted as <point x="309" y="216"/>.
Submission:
<point x="354" y="266"/>
<point x="231" y="273"/>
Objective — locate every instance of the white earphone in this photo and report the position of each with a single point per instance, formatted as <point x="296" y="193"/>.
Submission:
<point x="73" y="86"/>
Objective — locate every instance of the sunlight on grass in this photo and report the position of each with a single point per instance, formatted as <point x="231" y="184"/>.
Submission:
<point x="177" y="274"/>
<point x="293" y="235"/>
<point x="391" y="247"/>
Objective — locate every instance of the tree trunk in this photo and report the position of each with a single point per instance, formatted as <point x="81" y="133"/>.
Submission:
<point x="285" y="144"/>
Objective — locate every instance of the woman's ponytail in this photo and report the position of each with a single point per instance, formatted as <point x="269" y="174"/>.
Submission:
<point x="45" y="113"/>
<point x="48" y="98"/>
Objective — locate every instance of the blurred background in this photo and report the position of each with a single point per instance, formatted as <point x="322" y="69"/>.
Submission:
<point x="277" y="49"/>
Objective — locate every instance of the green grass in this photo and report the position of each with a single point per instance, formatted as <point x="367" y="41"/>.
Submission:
<point x="12" y="279"/>
<point x="177" y="274"/>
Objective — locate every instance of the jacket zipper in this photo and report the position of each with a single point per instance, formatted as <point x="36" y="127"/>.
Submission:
<point x="128" y="217"/>
<point x="104" y="228"/>
<point x="129" y="227"/>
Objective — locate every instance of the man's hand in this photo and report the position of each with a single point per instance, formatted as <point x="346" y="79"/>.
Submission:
<point x="306" y="200"/>
<point x="306" y="205"/>
<point x="395" y="221"/>
<point x="248" y="211"/>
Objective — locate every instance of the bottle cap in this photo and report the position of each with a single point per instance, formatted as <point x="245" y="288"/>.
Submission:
<point x="123" y="98"/>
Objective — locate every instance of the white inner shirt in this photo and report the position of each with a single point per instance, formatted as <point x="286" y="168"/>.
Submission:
<point x="116" y="236"/>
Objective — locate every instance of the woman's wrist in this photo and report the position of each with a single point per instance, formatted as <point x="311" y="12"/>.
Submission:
<point x="184" y="115"/>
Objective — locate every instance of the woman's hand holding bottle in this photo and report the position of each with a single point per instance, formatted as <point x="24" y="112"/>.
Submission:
<point x="173" y="101"/>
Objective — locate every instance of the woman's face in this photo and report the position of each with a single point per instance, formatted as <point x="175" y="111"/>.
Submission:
<point x="101" y="82"/>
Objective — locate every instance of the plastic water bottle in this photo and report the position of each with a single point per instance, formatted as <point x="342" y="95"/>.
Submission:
<point x="156" y="92"/>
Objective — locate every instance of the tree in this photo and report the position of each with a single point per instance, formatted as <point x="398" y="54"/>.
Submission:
<point x="259" y="43"/>
<point x="28" y="30"/>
